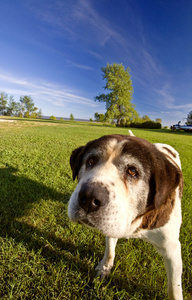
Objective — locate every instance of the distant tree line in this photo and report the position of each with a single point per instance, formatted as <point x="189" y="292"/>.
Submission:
<point x="24" y="108"/>
<point x="61" y="119"/>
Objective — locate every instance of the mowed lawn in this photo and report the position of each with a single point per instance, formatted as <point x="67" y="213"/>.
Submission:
<point x="42" y="254"/>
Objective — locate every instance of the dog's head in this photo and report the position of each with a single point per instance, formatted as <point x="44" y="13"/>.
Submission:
<point x="119" y="179"/>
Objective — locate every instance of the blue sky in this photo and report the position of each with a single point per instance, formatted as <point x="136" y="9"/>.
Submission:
<point x="53" y="50"/>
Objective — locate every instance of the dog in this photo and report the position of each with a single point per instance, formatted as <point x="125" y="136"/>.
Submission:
<point x="130" y="188"/>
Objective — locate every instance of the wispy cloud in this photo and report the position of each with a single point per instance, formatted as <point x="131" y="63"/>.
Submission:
<point x="73" y="18"/>
<point x="169" y="101"/>
<point x="80" y="66"/>
<point x="43" y="91"/>
<point x="85" y="13"/>
<point x="150" y="64"/>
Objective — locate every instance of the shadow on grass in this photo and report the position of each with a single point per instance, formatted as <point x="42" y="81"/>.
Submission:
<point x="19" y="192"/>
<point x="17" y="195"/>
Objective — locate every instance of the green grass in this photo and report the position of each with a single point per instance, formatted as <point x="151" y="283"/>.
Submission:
<point x="42" y="254"/>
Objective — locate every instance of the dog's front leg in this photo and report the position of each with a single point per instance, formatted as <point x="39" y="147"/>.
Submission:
<point x="173" y="264"/>
<point x="104" y="267"/>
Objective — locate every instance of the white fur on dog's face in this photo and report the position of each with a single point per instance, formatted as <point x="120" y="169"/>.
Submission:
<point x="127" y="194"/>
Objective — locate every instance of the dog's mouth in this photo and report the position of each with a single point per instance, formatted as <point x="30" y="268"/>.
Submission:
<point x="86" y="222"/>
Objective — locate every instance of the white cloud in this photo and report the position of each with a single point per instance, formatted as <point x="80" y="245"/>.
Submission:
<point x="43" y="91"/>
<point x="80" y="66"/>
<point x="171" y="102"/>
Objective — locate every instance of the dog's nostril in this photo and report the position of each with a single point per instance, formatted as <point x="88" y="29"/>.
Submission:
<point x="96" y="202"/>
<point x="89" y="205"/>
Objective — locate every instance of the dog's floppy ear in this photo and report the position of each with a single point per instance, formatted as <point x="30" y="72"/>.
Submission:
<point x="76" y="160"/>
<point x="167" y="177"/>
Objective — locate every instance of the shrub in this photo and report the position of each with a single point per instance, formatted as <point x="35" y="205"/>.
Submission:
<point x="20" y="115"/>
<point x="27" y="114"/>
<point x="52" y="118"/>
<point x="147" y="124"/>
<point x="33" y="116"/>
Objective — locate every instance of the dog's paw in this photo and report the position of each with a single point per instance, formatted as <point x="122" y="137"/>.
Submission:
<point x="103" y="271"/>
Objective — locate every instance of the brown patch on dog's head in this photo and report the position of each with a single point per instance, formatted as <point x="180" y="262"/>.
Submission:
<point x="76" y="160"/>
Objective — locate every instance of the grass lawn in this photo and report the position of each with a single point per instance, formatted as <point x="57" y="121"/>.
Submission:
<point x="42" y="254"/>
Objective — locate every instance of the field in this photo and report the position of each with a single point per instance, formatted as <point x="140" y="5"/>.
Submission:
<point x="42" y="254"/>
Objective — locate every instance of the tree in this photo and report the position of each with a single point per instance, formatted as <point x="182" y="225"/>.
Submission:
<point x="99" y="117"/>
<point x="145" y="118"/>
<point x="71" y="117"/>
<point x="27" y="105"/>
<point x="158" y="120"/>
<point x="36" y="114"/>
<point x="3" y="102"/>
<point x="39" y="114"/>
<point x="118" y="100"/>
<point x="189" y="118"/>
<point x="96" y="116"/>
<point x="12" y="107"/>
<point x="53" y="118"/>
<point x="18" y="110"/>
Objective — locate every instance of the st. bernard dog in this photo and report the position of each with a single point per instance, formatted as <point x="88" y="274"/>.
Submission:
<point x="130" y="188"/>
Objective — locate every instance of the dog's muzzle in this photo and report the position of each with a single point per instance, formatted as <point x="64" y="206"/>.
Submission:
<point x="93" y="196"/>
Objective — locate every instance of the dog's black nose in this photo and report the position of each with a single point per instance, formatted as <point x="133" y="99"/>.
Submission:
<point x="92" y="196"/>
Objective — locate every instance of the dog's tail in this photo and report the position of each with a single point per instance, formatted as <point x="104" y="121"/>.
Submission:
<point x="131" y="133"/>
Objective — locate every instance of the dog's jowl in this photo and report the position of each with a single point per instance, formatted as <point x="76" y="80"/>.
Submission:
<point x="130" y="188"/>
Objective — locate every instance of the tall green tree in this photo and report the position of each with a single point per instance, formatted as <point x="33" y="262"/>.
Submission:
<point x="118" y="100"/>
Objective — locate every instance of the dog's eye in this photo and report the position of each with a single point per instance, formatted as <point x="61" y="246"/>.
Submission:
<point x="132" y="172"/>
<point x="91" y="161"/>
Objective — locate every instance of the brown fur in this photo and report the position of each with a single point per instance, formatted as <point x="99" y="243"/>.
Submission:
<point x="158" y="217"/>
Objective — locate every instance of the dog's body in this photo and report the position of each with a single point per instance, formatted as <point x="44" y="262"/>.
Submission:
<point x="128" y="187"/>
